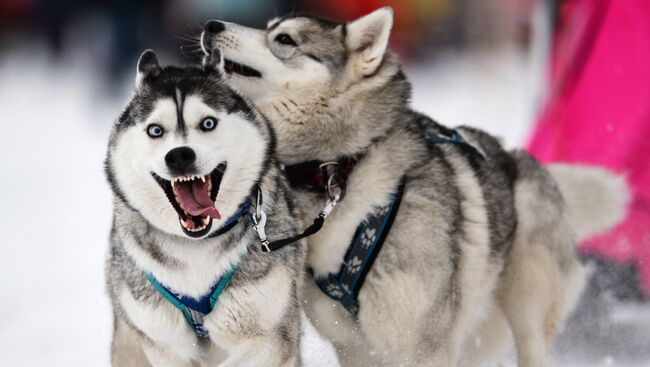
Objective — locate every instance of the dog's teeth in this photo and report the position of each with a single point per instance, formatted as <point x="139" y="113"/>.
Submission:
<point x="187" y="223"/>
<point x="203" y="178"/>
<point x="206" y="220"/>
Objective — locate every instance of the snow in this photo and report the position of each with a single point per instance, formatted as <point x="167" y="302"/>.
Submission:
<point x="56" y="206"/>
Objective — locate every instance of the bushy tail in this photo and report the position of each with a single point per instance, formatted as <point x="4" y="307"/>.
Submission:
<point x="596" y="198"/>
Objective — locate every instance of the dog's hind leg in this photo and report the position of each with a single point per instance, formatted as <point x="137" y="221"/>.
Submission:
<point x="530" y="299"/>
<point x="543" y="277"/>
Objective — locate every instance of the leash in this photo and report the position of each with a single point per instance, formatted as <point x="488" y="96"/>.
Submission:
<point x="334" y="191"/>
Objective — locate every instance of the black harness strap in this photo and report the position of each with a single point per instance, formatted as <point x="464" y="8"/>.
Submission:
<point x="313" y="228"/>
<point x="366" y="243"/>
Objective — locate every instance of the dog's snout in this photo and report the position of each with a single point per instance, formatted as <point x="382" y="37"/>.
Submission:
<point x="213" y="27"/>
<point x="180" y="161"/>
<point x="210" y="31"/>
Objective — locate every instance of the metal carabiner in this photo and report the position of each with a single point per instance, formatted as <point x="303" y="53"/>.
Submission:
<point x="259" y="222"/>
<point x="333" y="188"/>
<point x="330" y="204"/>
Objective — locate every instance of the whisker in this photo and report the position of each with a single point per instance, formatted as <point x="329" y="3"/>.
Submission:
<point x="189" y="38"/>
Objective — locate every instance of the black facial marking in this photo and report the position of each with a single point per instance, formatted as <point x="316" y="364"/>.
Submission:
<point x="313" y="57"/>
<point x="179" y="98"/>
<point x="274" y="25"/>
<point x="240" y="105"/>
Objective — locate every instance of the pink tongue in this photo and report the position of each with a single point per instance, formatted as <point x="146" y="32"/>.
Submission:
<point x="195" y="199"/>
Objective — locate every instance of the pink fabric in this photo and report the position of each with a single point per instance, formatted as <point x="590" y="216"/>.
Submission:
<point x="598" y="111"/>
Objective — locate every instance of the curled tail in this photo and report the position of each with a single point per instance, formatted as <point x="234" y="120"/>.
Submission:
<point x="596" y="198"/>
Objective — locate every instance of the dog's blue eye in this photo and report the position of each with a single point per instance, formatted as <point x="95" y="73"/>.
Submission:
<point x="155" y="130"/>
<point x="285" y="39"/>
<point x="208" y="124"/>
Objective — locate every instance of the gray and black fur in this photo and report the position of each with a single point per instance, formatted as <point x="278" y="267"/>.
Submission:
<point x="479" y="250"/>
<point x="256" y="321"/>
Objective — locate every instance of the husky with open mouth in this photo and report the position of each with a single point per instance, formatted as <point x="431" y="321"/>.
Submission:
<point x="196" y="190"/>
<point x="442" y="244"/>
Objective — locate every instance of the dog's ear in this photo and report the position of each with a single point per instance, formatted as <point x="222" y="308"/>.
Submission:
<point x="147" y="66"/>
<point x="367" y="40"/>
<point x="214" y="61"/>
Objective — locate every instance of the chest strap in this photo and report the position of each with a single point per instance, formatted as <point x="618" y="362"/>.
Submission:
<point x="366" y="243"/>
<point x="194" y="310"/>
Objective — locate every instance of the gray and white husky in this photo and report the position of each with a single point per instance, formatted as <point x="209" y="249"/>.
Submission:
<point x="188" y="160"/>
<point x="480" y="249"/>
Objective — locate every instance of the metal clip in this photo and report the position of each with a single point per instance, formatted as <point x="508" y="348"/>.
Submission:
<point x="330" y="204"/>
<point x="259" y="222"/>
<point x="333" y="187"/>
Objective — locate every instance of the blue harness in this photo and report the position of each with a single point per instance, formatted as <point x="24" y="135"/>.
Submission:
<point x="366" y="243"/>
<point x="194" y="310"/>
<point x="370" y="235"/>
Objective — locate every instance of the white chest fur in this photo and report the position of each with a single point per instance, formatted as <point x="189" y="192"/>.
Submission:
<point x="242" y="312"/>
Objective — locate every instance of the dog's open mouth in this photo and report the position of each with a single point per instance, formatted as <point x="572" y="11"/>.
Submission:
<point x="244" y="70"/>
<point x="193" y="199"/>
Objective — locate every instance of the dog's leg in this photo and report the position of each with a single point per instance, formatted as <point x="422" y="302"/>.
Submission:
<point x="530" y="299"/>
<point x="126" y="349"/>
<point x="543" y="277"/>
<point x="492" y="343"/>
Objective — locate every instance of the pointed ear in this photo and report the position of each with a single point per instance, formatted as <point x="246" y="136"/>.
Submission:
<point x="215" y="61"/>
<point x="147" y="66"/>
<point x="367" y="40"/>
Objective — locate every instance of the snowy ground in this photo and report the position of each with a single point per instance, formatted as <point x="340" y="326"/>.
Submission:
<point x="56" y="208"/>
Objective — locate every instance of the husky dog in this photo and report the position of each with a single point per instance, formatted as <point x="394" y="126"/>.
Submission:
<point x="483" y="243"/>
<point x="187" y="160"/>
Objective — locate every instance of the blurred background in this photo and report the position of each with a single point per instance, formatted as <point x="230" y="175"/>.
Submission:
<point x="567" y="80"/>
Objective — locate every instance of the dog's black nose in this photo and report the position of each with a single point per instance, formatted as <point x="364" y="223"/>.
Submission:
<point x="213" y="27"/>
<point x="181" y="160"/>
